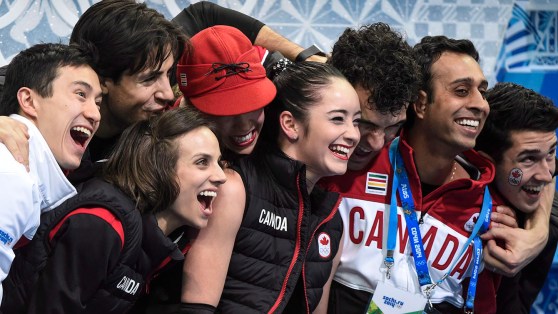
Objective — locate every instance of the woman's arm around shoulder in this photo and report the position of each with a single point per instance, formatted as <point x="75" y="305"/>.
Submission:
<point x="207" y="261"/>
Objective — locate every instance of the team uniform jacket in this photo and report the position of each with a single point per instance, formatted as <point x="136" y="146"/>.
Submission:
<point x="25" y="195"/>
<point x="446" y="216"/>
<point x="287" y="240"/>
<point x="86" y="263"/>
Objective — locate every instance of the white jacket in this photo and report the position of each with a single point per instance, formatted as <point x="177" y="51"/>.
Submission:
<point x="25" y="195"/>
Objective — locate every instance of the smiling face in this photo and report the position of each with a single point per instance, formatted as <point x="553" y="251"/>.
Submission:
<point x="240" y="133"/>
<point x="69" y="118"/>
<point x="458" y="110"/>
<point x="135" y="98"/>
<point x="330" y="134"/>
<point x="526" y="168"/>
<point x="376" y="130"/>
<point x="199" y="176"/>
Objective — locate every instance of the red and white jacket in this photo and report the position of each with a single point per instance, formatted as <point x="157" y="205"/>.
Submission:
<point x="448" y="214"/>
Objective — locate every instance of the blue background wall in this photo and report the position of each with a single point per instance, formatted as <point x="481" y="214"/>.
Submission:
<point x="517" y="39"/>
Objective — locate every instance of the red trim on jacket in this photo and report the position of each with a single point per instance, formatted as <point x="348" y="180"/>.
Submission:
<point x="102" y="213"/>
<point x="326" y="220"/>
<point x="297" y="247"/>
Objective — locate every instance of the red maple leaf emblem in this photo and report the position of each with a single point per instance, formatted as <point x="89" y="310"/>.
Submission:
<point x="515" y="173"/>
<point x="324" y="241"/>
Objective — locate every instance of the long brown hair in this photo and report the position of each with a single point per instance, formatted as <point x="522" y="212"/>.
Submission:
<point x="143" y="163"/>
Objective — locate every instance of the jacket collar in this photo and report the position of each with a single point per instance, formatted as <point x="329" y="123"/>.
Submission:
<point x="159" y="248"/>
<point x="282" y="167"/>
<point x="53" y="186"/>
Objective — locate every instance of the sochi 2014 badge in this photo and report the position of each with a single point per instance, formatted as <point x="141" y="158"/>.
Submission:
<point x="515" y="176"/>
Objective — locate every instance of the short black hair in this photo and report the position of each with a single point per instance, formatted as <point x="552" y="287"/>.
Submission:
<point x="129" y="37"/>
<point x="514" y="108"/>
<point x="37" y="67"/>
<point x="428" y="51"/>
<point x="379" y="60"/>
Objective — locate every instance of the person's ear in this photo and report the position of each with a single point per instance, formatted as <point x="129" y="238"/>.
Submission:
<point x="420" y="105"/>
<point x="28" y="102"/>
<point x="289" y="125"/>
<point x="104" y="84"/>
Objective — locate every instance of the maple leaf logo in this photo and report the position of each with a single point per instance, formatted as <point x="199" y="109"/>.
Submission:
<point x="324" y="247"/>
<point x="515" y="174"/>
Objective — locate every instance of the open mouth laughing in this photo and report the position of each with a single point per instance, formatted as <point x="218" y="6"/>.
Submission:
<point x="80" y="135"/>
<point x="340" y="151"/>
<point x="533" y="190"/>
<point x="205" y="198"/>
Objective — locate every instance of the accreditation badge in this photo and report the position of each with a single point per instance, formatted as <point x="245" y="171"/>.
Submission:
<point x="388" y="299"/>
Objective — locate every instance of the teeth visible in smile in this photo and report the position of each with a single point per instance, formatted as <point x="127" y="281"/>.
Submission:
<point x="208" y="193"/>
<point x="242" y="139"/>
<point x="533" y="189"/>
<point x="339" y="149"/>
<point x="82" y="130"/>
<point x="363" y="150"/>
<point x="467" y="122"/>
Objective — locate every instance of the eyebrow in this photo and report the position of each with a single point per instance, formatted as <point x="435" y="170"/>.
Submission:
<point x="534" y="151"/>
<point x="362" y="120"/>
<point x="365" y="121"/>
<point x="470" y="81"/>
<point x="343" y="111"/>
<point x="153" y="73"/>
<point x="88" y="87"/>
<point x="84" y="84"/>
<point x="202" y="155"/>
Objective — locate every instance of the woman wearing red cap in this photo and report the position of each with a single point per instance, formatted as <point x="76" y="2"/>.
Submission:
<point x="224" y="78"/>
<point x="283" y="231"/>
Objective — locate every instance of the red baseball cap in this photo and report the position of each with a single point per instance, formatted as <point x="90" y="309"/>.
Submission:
<point x="223" y="74"/>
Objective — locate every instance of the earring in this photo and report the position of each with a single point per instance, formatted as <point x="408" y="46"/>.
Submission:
<point x="295" y="137"/>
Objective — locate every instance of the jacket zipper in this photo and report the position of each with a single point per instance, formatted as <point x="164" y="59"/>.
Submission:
<point x="326" y="220"/>
<point x="297" y="247"/>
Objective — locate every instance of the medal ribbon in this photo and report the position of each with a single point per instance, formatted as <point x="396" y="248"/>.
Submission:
<point x="401" y="184"/>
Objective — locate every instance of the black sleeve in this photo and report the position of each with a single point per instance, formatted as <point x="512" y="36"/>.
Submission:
<point x="84" y="250"/>
<point x="2" y="81"/>
<point x="517" y="294"/>
<point x="203" y="14"/>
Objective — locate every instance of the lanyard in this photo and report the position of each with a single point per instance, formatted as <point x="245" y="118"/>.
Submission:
<point x="401" y="184"/>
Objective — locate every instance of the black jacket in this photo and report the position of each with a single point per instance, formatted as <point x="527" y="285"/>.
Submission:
<point x="518" y="293"/>
<point x="284" y="248"/>
<point x="89" y="264"/>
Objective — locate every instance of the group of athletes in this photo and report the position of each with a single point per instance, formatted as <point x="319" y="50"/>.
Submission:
<point x="207" y="164"/>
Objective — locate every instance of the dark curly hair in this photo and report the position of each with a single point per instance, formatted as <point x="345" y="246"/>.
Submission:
<point x="379" y="60"/>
